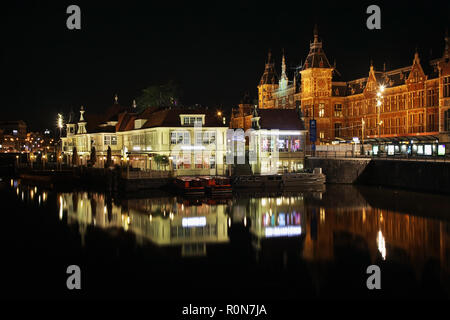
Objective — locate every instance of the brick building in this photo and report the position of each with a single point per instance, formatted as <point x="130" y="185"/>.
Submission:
<point x="415" y="100"/>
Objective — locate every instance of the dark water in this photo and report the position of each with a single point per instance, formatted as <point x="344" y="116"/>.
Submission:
<point x="265" y="247"/>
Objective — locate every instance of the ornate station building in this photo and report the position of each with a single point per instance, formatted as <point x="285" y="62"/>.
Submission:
<point x="414" y="104"/>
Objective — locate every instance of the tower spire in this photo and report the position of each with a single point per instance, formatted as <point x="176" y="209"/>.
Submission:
<point x="269" y="76"/>
<point x="447" y="49"/>
<point x="316" y="33"/>
<point x="284" y="79"/>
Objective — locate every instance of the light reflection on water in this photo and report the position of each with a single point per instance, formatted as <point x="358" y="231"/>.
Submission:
<point x="317" y="223"/>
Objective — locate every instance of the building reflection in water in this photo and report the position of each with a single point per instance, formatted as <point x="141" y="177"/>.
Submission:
<point x="314" y="225"/>
<point x="164" y="221"/>
<point x="389" y="235"/>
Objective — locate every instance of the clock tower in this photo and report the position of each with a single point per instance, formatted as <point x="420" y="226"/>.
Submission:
<point x="316" y="86"/>
<point x="316" y="72"/>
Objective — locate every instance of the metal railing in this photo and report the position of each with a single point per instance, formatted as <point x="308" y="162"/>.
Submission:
<point x="146" y="174"/>
<point x="383" y="156"/>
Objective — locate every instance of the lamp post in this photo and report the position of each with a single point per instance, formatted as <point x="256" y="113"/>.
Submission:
<point x="379" y="102"/>
<point x="60" y="125"/>
<point x="363" y="124"/>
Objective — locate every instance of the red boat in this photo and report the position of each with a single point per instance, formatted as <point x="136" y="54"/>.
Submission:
<point x="190" y="186"/>
<point x="218" y="185"/>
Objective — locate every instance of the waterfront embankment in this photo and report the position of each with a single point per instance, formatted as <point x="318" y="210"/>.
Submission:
<point x="428" y="176"/>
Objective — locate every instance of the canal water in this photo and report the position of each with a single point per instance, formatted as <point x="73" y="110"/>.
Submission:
<point x="268" y="245"/>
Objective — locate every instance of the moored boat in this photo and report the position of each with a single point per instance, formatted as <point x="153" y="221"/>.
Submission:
<point x="218" y="185"/>
<point x="190" y="186"/>
<point x="301" y="179"/>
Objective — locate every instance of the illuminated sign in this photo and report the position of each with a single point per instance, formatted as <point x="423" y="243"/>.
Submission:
<point x="420" y="149"/>
<point x="276" y="132"/>
<point x="441" y="150"/>
<point x="281" y="218"/>
<point x="193" y="222"/>
<point x="375" y="150"/>
<point x="391" y="150"/>
<point x="404" y="148"/>
<point x="192" y="148"/>
<point x="428" y="151"/>
<point x="312" y="130"/>
<point x="287" y="231"/>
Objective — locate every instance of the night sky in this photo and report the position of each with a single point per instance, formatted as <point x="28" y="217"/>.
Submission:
<point x="216" y="52"/>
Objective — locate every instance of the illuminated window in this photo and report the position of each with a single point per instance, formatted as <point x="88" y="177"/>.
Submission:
<point x="431" y="98"/>
<point x="306" y="111"/>
<point x="447" y="87"/>
<point x="180" y="138"/>
<point x="321" y="110"/>
<point x="207" y="137"/>
<point x="192" y="120"/>
<point x="337" y="129"/>
<point x="338" y="110"/>
<point x="109" y="140"/>
<point x="321" y="135"/>
<point x="447" y="120"/>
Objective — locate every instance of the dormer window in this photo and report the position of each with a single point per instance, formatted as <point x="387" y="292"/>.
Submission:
<point x="138" y="123"/>
<point x="192" y="119"/>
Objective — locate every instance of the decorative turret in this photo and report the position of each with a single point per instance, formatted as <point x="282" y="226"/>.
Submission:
<point x="71" y="125"/>
<point x="268" y="84"/>
<point x="255" y="119"/>
<point x="269" y="76"/>
<point x="82" y="123"/>
<point x="283" y="83"/>
<point x="416" y="74"/>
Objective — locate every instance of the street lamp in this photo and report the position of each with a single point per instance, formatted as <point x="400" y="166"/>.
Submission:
<point x="60" y="123"/>
<point x="379" y="102"/>
<point x="363" y="124"/>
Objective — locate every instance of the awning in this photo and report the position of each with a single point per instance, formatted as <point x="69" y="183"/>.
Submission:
<point x="415" y="139"/>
